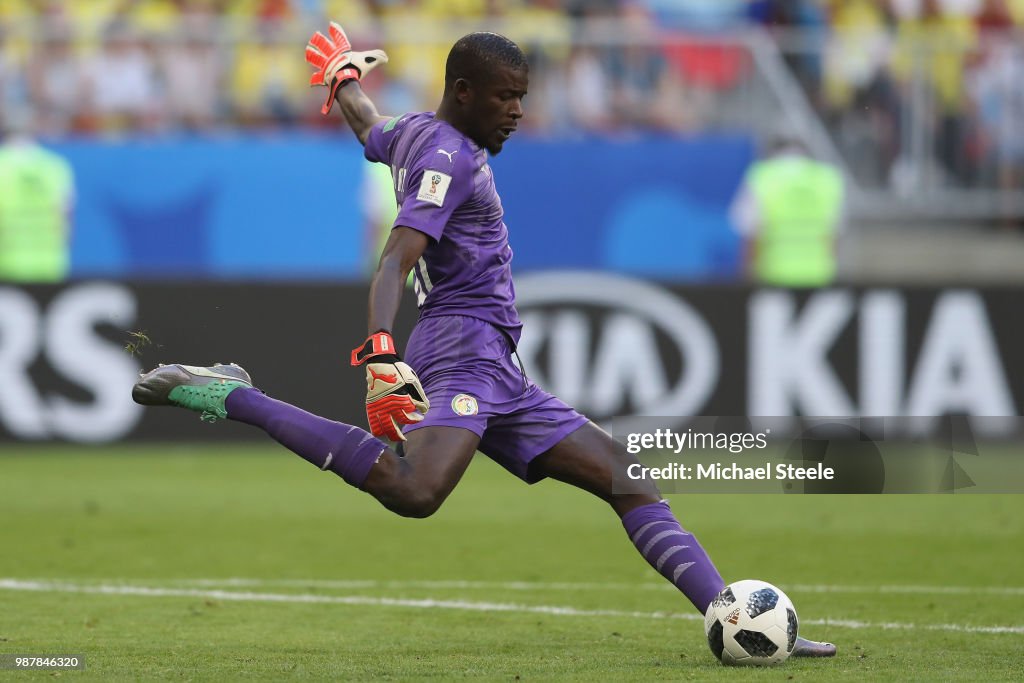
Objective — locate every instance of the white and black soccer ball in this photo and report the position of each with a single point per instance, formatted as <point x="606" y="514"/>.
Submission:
<point x="751" y="623"/>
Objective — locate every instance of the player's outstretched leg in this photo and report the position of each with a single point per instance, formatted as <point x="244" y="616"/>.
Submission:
<point x="678" y="556"/>
<point x="673" y="552"/>
<point x="415" y="485"/>
<point x="226" y="391"/>
<point x="591" y="460"/>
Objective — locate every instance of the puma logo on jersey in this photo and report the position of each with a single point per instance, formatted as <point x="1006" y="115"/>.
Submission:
<point x="448" y="154"/>
<point x="390" y="379"/>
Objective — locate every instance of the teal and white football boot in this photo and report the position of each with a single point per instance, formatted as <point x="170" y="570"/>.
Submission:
<point x="187" y="386"/>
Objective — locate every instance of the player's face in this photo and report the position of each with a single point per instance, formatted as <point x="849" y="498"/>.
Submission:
<point x="496" y="107"/>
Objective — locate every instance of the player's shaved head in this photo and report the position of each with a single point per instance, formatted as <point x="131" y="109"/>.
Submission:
<point x="486" y="79"/>
<point x="476" y="56"/>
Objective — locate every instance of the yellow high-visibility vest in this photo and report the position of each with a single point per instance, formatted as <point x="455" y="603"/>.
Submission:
<point x="801" y="201"/>
<point x="35" y="193"/>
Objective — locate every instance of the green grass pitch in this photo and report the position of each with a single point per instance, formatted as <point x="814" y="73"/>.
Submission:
<point x="222" y="563"/>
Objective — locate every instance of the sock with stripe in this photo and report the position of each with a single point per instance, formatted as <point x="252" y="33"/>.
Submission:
<point x="347" y="451"/>
<point x="673" y="552"/>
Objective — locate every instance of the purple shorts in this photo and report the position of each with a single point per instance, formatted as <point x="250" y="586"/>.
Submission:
<point x="473" y="382"/>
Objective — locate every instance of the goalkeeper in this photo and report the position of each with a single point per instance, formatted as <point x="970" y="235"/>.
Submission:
<point x="460" y="388"/>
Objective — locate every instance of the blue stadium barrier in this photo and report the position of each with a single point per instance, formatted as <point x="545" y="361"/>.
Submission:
<point x="260" y="206"/>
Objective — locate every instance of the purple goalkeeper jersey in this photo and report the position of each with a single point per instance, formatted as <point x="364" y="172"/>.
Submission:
<point x="445" y="189"/>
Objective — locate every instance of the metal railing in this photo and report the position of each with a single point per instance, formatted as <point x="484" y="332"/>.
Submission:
<point x="927" y="125"/>
<point x="929" y="128"/>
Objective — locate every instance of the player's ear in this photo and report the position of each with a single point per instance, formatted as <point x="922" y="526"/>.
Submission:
<point x="463" y="90"/>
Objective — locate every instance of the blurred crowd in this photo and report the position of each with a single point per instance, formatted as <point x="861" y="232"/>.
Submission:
<point x="906" y="86"/>
<point x="105" y="66"/>
<point x="912" y="87"/>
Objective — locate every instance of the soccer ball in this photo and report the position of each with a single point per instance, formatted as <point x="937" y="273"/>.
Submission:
<point x="751" y="623"/>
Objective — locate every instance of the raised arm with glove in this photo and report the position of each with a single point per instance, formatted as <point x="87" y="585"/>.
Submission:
<point x="336" y="63"/>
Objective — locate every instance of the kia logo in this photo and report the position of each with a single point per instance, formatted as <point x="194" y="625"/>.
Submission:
<point x="597" y="341"/>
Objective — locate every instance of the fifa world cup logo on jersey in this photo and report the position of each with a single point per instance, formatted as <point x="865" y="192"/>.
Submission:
<point x="435" y="180"/>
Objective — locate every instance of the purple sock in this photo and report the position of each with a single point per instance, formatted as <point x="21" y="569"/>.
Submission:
<point x="673" y="552"/>
<point x="343" y="449"/>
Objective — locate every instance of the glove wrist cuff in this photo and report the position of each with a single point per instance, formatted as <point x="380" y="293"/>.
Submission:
<point x="379" y="344"/>
<point x="343" y="76"/>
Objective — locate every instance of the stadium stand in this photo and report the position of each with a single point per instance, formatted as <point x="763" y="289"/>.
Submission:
<point x="920" y="100"/>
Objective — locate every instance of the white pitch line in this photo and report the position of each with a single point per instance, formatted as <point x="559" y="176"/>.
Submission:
<point x="306" y="598"/>
<point x="911" y="590"/>
<point x="436" y="584"/>
<point x="430" y="603"/>
<point x="584" y="586"/>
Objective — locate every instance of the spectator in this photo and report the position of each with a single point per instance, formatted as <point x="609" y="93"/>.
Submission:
<point x="702" y="15"/>
<point x="416" y="41"/>
<point x="712" y="66"/>
<point x="994" y="17"/>
<point x="256" y="11"/>
<point x="810" y="19"/>
<point x="36" y="195"/>
<point x="354" y="13"/>
<point x="457" y="9"/>
<point x="268" y="82"/>
<point x="860" y="100"/>
<point x="588" y="91"/>
<point x="997" y="85"/>
<point x="193" y="72"/>
<point x="15" y="17"/>
<point x="10" y="77"/>
<point x="59" y="82"/>
<point x="647" y="94"/>
<point x="789" y="210"/>
<point x="934" y="46"/>
<point x="123" y="82"/>
<point x="155" y="17"/>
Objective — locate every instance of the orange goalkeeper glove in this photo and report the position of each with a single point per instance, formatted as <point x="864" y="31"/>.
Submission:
<point x="394" y="394"/>
<point x="336" y="63"/>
